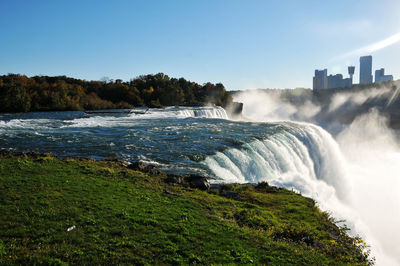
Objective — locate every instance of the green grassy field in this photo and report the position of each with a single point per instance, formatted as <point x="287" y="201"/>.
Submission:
<point x="79" y="211"/>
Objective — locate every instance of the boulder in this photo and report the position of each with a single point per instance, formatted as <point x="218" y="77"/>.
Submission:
<point x="140" y="166"/>
<point x="174" y="179"/>
<point x="199" y="182"/>
<point x="153" y="170"/>
<point x="235" y="109"/>
<point x="144" y="167"/>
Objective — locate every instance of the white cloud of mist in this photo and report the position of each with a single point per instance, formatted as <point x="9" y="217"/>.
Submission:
<point x="356" y="97"/>
<point x="373" y="163"/>
<point x="371" y="153"/>
<point x="259" y="106"/>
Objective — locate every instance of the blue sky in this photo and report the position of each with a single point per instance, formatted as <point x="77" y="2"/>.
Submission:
<point x="243" y="44"/>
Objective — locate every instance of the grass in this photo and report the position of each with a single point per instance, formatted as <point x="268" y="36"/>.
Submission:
<point x="81" y="211"/>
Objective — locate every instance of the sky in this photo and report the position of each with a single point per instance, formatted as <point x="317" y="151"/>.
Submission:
<point x="242" y="44"/>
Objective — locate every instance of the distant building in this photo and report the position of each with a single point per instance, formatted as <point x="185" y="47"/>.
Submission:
<point x="320" y="80"/>
<point x="346" y="83"/>
<point x="380" y="76"/>
<point x="335" y="81"/>
<point x="366" y="69"/>
<point x="351" y="73"/>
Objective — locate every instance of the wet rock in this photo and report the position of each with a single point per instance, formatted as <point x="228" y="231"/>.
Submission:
<point x="174" y="179"/>
<point x="235" y="109"/>
<point x="34" y="155"/>
<point x="199" y="182"/>
<point x="153" y="170"/>
<point x="144" y="167"/>
<point x="5" y="153"/>
<point x="139" y="166"/>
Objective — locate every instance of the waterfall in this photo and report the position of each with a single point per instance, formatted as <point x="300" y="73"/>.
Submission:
<point x="303" y="157"/>
<point x="205" y="112"/>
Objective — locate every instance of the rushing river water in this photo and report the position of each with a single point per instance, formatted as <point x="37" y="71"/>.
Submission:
<point x="296" y="155"/>
<point x="178" y="140"/>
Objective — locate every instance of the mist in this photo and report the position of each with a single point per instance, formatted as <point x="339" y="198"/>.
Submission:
<point x="368" y="149"/>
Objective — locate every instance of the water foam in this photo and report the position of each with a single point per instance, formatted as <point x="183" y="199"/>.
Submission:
<point x="25" y="124"/>
<point x="300" y="157"/>
<point x="184" y="112"/>
<point x="205" y="112"/>
<point x="153" y="113"/>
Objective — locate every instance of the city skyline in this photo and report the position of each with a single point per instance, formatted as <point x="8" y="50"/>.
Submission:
<point x="321" y="80"/>
<point x="242" y="45"/>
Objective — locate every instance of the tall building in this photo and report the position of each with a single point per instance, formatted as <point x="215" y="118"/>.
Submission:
<point x="320" y="80"/>
<point x="366" y="69"/>
<point x="351" y="73"/>
<point x="380" y="76"/>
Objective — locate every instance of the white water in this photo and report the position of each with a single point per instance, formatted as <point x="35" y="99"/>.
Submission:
<point x="303" y="156"/>
<point x="24" y="123"/>
<point x="169" y="112"/>
<point x="113" y="121"/>
<point x="184" y="112"/>
<point x="355" y="177"/>
<point x="206" y="112"/>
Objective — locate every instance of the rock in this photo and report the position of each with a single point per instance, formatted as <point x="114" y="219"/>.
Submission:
<point x="153" y="170"/>
<point x="34" y="155"/>
<point x="174" y="179"/>
<point x="5" y="153"/>
<point x="199" y="182"/>
<point x="140" y="166"/>
<point x="235" y="109"/>
<point x="144" y="167"/>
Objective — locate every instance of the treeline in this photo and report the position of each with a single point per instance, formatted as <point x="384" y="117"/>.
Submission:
<point x="19" y="93"/>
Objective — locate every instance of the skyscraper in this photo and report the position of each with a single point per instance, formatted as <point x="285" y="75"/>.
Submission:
<point x="320" y="80"/>
<point x="366" y="69"/>
<point x="351" y="73"/>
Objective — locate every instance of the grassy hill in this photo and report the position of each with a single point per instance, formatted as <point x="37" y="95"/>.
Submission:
<point x="80" y="211"/>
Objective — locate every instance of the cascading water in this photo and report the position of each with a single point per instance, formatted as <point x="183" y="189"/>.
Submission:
<point x="299" y="157"/>
<point x="169" y="112"/>
<point x="207" y="112"/>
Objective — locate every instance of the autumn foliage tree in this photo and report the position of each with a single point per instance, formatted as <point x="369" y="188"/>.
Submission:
<point x="19" y="93"/>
